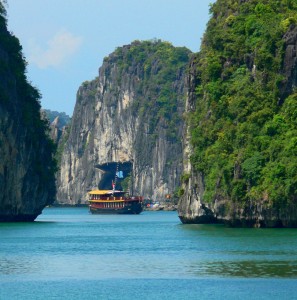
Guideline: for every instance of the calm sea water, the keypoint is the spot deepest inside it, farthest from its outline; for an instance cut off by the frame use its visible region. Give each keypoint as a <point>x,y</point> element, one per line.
<point>70,254</point>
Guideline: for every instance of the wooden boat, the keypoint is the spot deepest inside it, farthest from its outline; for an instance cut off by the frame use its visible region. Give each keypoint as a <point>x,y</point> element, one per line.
<point>114,202</point>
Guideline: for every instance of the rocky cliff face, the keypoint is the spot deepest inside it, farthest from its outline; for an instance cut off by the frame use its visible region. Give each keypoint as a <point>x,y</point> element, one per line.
<point>27,182</point>
<point>56,130</point>
<point>128,119</point>
<point>191,207</point>
<point>290,62</point>
<point>238,190</point>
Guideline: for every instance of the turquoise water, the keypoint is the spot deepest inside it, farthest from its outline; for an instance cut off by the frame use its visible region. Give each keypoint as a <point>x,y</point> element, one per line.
<point>70,254</point>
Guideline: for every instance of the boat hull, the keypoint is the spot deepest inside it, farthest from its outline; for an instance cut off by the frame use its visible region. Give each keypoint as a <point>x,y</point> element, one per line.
<point>134,209</point>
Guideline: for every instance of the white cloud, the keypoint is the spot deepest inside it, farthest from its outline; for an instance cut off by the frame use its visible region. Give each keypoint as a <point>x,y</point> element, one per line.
<point>58,49</point>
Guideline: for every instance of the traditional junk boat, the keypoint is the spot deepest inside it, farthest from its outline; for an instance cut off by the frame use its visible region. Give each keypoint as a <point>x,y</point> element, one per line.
<point>114,202</point>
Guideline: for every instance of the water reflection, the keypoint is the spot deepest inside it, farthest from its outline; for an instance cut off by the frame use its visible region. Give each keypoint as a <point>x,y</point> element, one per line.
<point>17,266</point>
<point>241,252</point>
<point>221,230</point>
<point>247,269</point>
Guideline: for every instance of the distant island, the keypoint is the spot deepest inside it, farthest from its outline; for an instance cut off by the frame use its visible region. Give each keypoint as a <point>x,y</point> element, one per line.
<point>64,119</point>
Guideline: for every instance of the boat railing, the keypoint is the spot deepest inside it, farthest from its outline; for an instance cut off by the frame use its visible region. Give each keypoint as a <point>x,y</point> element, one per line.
<point>110,198</point>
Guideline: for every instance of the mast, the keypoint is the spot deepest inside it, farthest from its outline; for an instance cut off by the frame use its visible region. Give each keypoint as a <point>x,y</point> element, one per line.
<point>132,177</point>
<point>115,178</point>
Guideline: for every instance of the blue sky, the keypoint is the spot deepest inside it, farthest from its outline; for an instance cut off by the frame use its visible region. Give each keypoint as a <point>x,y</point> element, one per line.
<point>65,41</point>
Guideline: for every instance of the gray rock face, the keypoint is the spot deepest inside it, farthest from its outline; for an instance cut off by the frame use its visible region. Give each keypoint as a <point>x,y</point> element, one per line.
<point>117,123</point>
<point>56,132</point>
<point>290,62</point>
<point>27,182</point>
<point>191,208</point>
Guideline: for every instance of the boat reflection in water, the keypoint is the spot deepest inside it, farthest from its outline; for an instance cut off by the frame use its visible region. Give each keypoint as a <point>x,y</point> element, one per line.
<point>114,202</point>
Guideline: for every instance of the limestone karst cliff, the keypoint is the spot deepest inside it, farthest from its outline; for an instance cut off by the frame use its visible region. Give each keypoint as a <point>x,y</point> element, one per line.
<point>27,181</point>
<point>129,117</point>
<point>239,147</point>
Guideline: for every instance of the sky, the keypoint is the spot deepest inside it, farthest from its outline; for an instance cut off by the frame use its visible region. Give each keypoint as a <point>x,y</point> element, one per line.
<point>65,41</point>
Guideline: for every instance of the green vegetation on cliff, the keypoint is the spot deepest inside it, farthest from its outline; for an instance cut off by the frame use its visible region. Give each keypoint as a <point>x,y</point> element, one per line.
<point>162,66</point>
<point>244,128</point>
